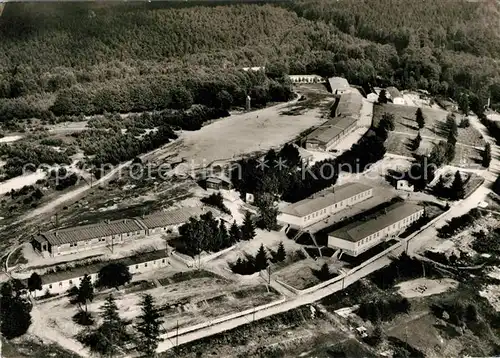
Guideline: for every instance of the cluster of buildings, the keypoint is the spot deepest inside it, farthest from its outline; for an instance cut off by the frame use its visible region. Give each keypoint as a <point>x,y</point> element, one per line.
<point>392,94</point>
<point>345,113</point>
<point>306,79</point>
<point>357,237</point>
<point>109,233</point>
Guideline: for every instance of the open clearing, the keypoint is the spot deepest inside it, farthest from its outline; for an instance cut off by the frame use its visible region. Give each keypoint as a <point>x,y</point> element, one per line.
<point>423,287</point>
<point>469,142</point>
<point>244,133</point>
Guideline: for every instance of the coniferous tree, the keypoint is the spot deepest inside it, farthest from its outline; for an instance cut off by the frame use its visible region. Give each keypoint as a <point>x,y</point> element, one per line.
<point>248,228</point>
<point>148,327</point>
<point>223,234</point>
<point>420,118</point>
<point>280,253</point>
<point>457,187</point>
<point>234,233</point>
<point>382,97</point>
<point>417,141</point>
<point>85,291</point>
<point>487,155</point>
<point>261,259</point>
<point>111,336</point>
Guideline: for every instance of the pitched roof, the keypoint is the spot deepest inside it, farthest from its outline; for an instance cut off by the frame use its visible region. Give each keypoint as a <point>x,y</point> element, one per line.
<point>349,104</point>
<point>95,267</point>
<point>338,83</point>
<point>175,217</point>
<point>325,199</point>
<point>394,92</point>
<point>330,129</point>
<point>357,231</point>
<point>91,231</point>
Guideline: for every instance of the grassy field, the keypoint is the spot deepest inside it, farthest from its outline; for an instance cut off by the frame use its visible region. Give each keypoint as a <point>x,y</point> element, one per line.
<point>469,141</point>
<point>299,275</point>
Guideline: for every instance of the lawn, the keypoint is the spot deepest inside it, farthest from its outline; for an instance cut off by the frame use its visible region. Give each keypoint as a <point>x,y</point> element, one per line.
<point>299,275</point>
<point>469,140</point>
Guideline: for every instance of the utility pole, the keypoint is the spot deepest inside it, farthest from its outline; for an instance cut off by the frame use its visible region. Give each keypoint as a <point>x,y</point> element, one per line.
<point>269,274</point>
<point>177,334</point>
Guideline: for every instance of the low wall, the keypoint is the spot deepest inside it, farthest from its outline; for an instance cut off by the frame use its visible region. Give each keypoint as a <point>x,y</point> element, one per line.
<point>195,327</point>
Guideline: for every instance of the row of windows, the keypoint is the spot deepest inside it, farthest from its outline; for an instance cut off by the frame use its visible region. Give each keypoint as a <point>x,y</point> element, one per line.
<point>323,211</point>
<point>407,220</point>
<point>81,278</point>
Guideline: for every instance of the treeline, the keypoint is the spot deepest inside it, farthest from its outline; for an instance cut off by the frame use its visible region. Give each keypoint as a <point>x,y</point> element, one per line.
<point>383,309</point>
<point>282,174</point>
<point>97,58</point>
<point>26,157</point>
<point>110,147</point>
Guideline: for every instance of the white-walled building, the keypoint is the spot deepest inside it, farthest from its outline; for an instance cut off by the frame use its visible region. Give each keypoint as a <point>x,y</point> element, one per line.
<point>361,236</point>
<point>170,221</point>
<point>395,96</point>
<point>306,79</point>
<point>338,85</point>
<point>312,210</point>
<point>62,281</point>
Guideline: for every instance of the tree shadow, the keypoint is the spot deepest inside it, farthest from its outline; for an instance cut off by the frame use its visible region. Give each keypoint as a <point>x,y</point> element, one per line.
<point>441,129</point>
<point>409,126</point>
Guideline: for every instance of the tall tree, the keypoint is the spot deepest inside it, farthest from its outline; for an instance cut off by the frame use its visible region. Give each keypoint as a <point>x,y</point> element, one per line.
<point>417,141</point>
<point>268,211</point>
<point>223,235</point>
<point>280,253</point>
<point>148,327</point>
<point>382,97</point>
<point>85,291</point>
<point>234,233</point>
<point>248,228</point>
<point>114,275</point>
<point>261,259</point>
<point>457,187</point>
<point>15,311</point>
<point>420,118</point>
<point>34,282</point>
<point>111,336</point>
<point>487,155</point>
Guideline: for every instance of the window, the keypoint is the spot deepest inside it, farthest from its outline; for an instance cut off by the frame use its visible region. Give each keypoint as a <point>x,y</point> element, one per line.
<point>50,286</point>
<point>60,284</point>
<point>162,261</point>
<point>136,266</point>
<point>146,264</point>
<point>70,282</point>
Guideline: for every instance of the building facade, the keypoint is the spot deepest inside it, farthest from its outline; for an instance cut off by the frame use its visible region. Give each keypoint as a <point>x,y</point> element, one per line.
<point>306,79</point>
<point>110,233</point>
<point>312,210</point>
<point>395,96</point>
<point>338,85</point>
<point>62,281</point>
<point>330,133</point>
<point>356,238</point>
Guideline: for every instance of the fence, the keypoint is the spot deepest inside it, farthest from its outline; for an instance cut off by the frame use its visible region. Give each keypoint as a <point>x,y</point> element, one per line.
<point>195,327</point>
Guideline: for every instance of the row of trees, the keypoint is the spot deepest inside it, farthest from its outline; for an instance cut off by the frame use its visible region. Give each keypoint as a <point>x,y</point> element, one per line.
<point>383,309</point>
<point>208,234</point>
<point>119,70</point>
<point>251,264</point>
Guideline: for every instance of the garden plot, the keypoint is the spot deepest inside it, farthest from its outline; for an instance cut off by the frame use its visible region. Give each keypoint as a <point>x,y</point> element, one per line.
<point>300,274</point>
<point>423,287</point>
<point>406,129</point>
<point>184,299</point>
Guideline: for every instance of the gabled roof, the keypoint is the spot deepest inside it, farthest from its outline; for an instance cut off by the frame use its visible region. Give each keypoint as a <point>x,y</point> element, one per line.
<point>393,92</point>
<point>330,129</point>
<point>349,104</point>
<point>175,217</point>
<point>359,230</point>
<point>325,199</point>
<point>95,267</point>
<point>338,83</point>
<point>91,231</point>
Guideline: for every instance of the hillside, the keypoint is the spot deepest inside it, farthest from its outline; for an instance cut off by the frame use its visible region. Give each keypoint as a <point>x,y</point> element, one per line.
<point>118,54</point>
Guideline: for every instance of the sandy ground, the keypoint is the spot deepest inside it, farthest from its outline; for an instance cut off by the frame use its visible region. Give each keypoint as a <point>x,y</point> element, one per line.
<point>423,287</point>
<point>231,137</point>
<point>10,139</point>
<point>19,182</point>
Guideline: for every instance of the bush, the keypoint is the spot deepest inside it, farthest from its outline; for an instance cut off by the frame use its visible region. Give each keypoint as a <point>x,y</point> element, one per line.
<point>83,318</point>
<point>217,201</point>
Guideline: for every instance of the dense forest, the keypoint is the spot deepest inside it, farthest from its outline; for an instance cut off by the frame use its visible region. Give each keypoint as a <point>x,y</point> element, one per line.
<point>86,58</point>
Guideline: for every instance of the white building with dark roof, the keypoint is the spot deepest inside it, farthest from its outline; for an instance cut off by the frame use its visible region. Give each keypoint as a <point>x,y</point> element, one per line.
<point>338,85</point>
<point>395,96</point>
<point>106,234</point>
<point>62,281</point>
<point>312,210</point>
<point>361,236</point>
<point>86,237</point>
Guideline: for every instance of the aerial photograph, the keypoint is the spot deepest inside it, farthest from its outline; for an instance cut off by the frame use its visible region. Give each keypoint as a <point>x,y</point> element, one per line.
<point>250,178</point>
